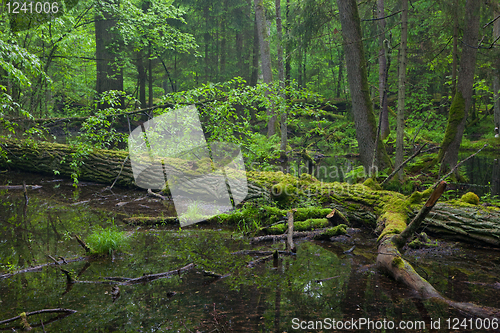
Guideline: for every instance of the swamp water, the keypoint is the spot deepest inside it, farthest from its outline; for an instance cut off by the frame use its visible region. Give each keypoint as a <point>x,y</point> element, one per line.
<point>260,299</point>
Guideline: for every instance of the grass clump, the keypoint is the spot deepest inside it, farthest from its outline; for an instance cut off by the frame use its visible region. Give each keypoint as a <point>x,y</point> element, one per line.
<point>107,240</point>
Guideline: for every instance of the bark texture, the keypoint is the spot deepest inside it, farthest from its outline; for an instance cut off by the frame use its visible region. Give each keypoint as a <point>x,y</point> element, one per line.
<point>109,72</point>
<point>462,101</point>
<point>362,107</point>
<point>402,88</point>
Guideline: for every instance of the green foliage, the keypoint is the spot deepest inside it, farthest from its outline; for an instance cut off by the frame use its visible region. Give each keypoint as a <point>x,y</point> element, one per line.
<point>107,240</point>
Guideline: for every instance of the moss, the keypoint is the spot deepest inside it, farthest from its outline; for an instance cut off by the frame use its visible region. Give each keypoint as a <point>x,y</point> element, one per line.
<point>371,183</point>
<point>457,113</point>
<point>341,229</point>
<point>306,225</point>
<point>303,214</point>
<point>283,192</point>
<point>415,198</point>
<point>470,198</point>
<point>398,262</point>
<point>395,214</point>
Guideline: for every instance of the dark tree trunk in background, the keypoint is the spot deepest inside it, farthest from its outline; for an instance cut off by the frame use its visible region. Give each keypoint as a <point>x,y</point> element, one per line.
<point>401,88</point>
<point>255,54</point>
<point>150,78</point>
<point>496,73</point>
<point>141,70</point>
<point>382,73</point>
<point>288,65</point>
<point>265,58</point>
<point>109,73</point>
<point>341,67</point>
<point>362,108</point>
<point>455,52</point>
<point>462,101</point>
<point>281,74</point>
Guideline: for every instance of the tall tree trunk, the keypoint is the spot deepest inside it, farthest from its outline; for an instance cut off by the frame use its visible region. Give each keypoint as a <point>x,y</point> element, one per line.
<point>362,108</point>
<point>109,73</point>
<point>288,65</point>
<point>402,88</point>
<point>281,75</point>
<point>206,38</point>
<point>455,52</point>
<point>382,73</point>
<point>341,67</point>
<point>462,101</point>
<point>150,78</point>
<point>255,54</point>
<point>496,74</point>
<point>142,78</point>
<point>265,57</point>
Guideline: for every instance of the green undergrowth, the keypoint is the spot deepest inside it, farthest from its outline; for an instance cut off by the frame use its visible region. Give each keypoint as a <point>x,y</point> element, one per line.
<point>107,240</point>
<point>307,225</point>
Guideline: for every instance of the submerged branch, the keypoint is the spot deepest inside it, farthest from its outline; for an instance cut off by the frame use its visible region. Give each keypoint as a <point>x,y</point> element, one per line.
<point>27,314</point>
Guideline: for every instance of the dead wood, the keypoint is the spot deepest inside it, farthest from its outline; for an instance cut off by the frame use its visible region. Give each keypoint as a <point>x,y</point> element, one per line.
<point>330,278</point>
<point>19,187</point>
<point>336,217</point>
<point>258,261</point>
<point>273,238</point>
<point>289,240</point>
<point>27,314</point>
<point>403,164</point>
<point>143,220</point>
<point>156,195</point>
<point>39,267</point>
<point>82,243</point>
<point>401,239</point>
<point>263,253</point>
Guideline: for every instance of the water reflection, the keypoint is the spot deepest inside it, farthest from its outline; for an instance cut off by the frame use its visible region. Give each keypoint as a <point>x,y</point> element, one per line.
<point>260,299</point>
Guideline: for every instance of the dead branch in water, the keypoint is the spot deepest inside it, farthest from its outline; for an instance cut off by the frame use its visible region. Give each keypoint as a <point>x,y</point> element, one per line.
<point>27,314</point>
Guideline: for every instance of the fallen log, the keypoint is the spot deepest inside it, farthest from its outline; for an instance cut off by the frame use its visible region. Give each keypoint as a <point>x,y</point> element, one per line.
<point>19,187</point>
<point>146,220</point>
<point>389,258</point>
<point>39,267</point>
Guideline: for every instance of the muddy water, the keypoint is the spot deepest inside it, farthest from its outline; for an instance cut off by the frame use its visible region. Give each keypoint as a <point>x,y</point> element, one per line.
<point>261,299</point>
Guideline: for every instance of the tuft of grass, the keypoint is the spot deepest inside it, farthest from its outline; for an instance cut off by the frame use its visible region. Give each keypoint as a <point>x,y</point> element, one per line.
<point>106,240</point>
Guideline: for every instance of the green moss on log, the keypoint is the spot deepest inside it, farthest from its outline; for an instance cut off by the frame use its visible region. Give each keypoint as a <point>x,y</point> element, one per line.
<point>341,229</point>
<point>470,198</point>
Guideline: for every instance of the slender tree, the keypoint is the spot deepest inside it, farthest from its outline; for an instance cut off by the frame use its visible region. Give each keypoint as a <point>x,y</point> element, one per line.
<point>265,58</point>
<point>109,72</point>
<point>462,101</point>
<point>382,72</point>
<point>496,74</point>
<point>402,87</point>
<point>362,107</point>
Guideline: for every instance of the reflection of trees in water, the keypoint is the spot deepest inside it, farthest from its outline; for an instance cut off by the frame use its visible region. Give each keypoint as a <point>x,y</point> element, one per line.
<point>495,178</point>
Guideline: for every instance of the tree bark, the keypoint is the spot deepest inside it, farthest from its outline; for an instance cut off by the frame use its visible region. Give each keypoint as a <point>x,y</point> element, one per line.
<point>382,73</point>
<point>496,74</point>
<point>281,75</point>
<point>462,101</point>
<point>265,58</point>
<point>362,107</point>
<point>402,88</point>
<point>109,73</point>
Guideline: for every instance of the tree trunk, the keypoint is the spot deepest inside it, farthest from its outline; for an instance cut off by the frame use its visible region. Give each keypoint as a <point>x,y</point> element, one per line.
<point>142,78</point>
<point>382,73</point>
<point>402,88</point>
<point>150,78</point>
<point>109,73</point>
<point>362,108</point>
<point>265,57</point>
<point>462,101</point>
<point>496,73</point>
<point>281,76</point>
<point>255,54</point>
<point>455,51</point>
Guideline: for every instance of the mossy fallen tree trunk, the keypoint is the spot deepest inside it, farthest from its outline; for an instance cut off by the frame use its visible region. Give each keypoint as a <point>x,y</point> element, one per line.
<point>384,211</point>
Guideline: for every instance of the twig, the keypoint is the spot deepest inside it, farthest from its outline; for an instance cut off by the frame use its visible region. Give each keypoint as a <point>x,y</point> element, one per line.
<point>403,164</point>
<point>456,166</point>
<point>418,131</point>
<point>156,195</point>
